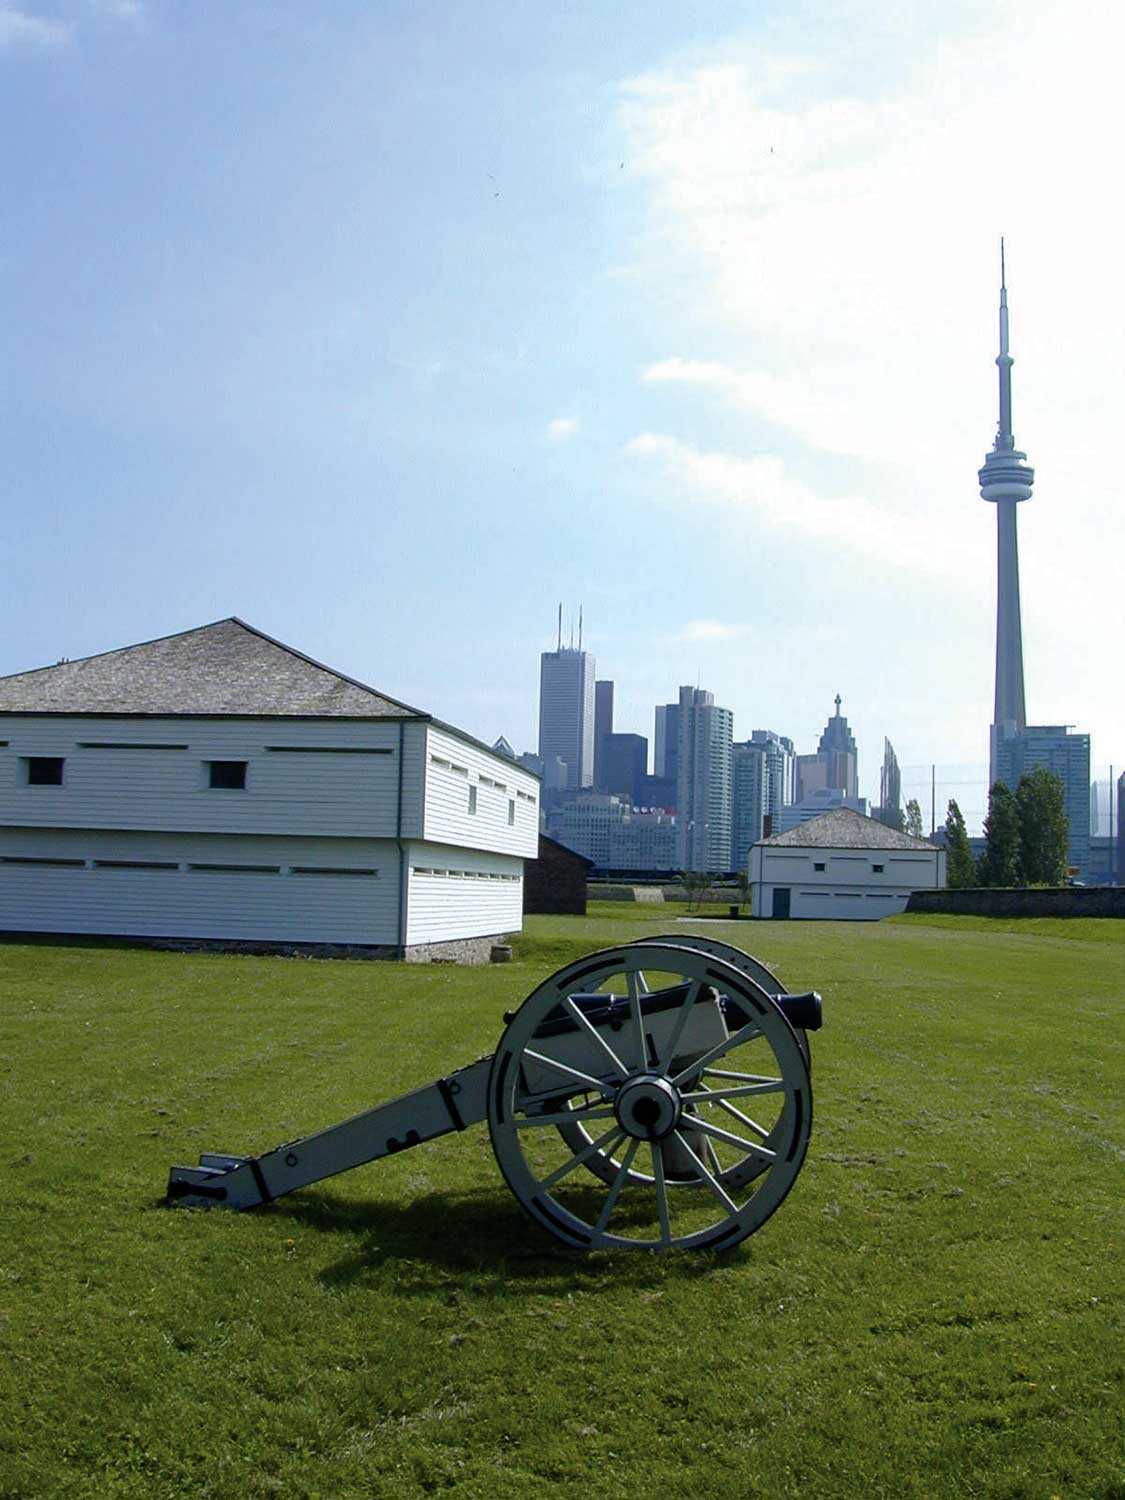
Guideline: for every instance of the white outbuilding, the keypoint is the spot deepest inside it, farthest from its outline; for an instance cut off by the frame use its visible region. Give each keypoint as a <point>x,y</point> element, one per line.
<point>219,785</point>
<point>841,866</point>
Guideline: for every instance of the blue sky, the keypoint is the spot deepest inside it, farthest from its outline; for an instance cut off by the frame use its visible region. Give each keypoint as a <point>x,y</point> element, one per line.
<point>387,327</point>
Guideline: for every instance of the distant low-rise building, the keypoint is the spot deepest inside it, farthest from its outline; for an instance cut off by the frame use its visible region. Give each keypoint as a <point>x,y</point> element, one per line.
<point>841,866</point>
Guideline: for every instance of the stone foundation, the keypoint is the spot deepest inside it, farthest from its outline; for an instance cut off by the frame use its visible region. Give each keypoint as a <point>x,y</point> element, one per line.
<point>475,950</point>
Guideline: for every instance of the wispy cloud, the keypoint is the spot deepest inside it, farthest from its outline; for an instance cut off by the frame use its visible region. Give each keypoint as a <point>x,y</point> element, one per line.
<point>21,28</point>
<point>711,630</point>
<point>762,490</point>
<point>844,227</point>
<point>562,429</point>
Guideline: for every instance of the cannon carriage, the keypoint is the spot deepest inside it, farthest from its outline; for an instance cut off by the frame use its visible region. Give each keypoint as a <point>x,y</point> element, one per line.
<point>654,1095</point>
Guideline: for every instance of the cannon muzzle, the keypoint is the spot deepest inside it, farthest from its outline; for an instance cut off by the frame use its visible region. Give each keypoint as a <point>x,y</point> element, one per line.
<point>802,1011</point>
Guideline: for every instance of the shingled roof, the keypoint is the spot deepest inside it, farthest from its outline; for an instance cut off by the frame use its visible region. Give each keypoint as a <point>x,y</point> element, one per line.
<point>844,828</point>
<point>224,668</point>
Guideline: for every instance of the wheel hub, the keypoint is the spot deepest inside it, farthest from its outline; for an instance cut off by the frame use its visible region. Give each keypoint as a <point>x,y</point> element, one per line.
<point>647,1107</point>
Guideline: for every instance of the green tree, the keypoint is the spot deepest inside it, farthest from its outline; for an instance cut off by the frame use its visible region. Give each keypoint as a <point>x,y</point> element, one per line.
<point>1044,829</point>
<point>696,884</point>
<point>743,889</point>
<point>1000,864</point>
<point>960,866</point>
<point>914,818</point>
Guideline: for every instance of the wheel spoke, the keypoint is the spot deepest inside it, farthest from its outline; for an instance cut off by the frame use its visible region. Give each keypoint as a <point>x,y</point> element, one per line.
<point>661,1194</point>
<point>566,1117</point>
<point>585,1023</point>
<point>734,1140</point>
<point>699,1064</point>
<point>635,979</point>
<point>561,1067</point>
<point>694,990</point>
<point>728,1203</point>
<point>773,1086</point>
<point>614,1132</point>
<point>615,1189</point>
<point>745,1119</point>
<point>741,1077</point>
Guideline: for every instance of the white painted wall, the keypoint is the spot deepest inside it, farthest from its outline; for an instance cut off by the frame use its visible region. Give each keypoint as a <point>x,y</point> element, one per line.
<point>453,767</point>
<point>454,892</point>
<point>287,906</point>
<point>309,801</point>
<point>309,791</point>
<point>849,888</point>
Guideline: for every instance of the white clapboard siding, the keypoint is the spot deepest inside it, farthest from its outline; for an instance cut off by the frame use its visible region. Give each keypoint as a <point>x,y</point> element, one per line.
<point>324,907</point>
<point>453,767</point>
<point>461,893</point>
<point>854,884</point>
<point>304,790</point>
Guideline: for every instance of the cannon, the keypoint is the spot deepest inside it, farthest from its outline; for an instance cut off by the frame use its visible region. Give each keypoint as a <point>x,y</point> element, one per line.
<point>651,1096</point>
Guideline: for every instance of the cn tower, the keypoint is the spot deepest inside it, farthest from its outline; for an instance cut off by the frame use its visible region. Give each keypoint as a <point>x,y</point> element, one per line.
<point>1005,480</point>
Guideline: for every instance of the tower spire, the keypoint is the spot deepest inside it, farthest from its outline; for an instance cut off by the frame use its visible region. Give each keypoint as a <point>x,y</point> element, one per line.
<point>1006,479</point>
<point>1004,439</point>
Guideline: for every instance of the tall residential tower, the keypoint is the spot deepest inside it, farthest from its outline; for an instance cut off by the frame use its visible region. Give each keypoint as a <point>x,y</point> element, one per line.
<point>1005,480</point>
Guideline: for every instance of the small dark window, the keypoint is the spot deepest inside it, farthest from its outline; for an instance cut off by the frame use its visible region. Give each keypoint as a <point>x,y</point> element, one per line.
<point>44,770</point>
<point>511,810</point>
<point>228,774</point>
<point>472,799</point>
<point>819,866</point>
<point>878,869</point>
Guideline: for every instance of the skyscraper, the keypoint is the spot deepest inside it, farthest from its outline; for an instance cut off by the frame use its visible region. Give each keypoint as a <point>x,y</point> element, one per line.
<point>703,807</point>
<point>835,764</point>
<point>1005,480</point>
<point>750,796</point>
<point>666,742</point>
<point>837,748</point>
<point>781,762</point>
<point>566,712</point>
<point>889,810</point>
<point>623,765</point>
<point>603,725</point>
<point>1068,756</point>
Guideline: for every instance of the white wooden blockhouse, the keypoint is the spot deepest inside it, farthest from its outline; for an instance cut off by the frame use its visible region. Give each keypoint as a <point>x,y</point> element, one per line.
<point>843,866</point>
<point>218,784</point>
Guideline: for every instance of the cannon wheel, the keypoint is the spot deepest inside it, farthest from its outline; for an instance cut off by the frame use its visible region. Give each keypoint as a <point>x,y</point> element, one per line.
<point>606,1096</point>
<point>576,1135</point>
<point>752,967</point>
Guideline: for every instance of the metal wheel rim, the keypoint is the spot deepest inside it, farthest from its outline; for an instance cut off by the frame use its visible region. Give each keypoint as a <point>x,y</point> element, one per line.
<point>576,1136</point>
<point>741,1213</point>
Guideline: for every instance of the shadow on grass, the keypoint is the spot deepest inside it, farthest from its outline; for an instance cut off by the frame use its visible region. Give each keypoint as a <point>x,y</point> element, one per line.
<point>482,1232</point>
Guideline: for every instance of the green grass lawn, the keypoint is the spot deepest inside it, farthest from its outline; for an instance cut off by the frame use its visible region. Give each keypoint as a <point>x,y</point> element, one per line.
<point>932,1312</point>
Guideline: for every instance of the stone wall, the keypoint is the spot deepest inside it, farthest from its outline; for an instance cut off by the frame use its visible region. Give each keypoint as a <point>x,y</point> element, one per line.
<point>1023,901</point>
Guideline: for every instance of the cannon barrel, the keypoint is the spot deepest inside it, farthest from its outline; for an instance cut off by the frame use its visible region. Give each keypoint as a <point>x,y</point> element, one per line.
<point>802,1011</point>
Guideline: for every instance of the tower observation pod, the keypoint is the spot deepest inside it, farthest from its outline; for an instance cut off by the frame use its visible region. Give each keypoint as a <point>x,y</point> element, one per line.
<point>1005,480</point>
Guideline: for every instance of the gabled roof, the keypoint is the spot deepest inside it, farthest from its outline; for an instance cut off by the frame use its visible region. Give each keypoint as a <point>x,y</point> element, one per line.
<point>844,828</point>
<point>224,668</point>
<point>566,849</point>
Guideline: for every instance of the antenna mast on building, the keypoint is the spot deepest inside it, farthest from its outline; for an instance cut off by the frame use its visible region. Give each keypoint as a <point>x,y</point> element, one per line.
<point>580,627</point>
<point>560,626</point>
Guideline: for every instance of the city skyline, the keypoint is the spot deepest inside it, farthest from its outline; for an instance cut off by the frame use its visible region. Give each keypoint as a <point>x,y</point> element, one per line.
<point>363,366</point>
